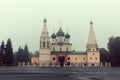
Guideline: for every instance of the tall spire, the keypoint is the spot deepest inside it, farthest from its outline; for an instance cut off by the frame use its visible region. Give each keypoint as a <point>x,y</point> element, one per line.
<point>45,25</point>
<point>91,38</point>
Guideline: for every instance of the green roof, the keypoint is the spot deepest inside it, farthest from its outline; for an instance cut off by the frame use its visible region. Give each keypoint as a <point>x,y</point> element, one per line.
<point>60,32</point>
<point>69,52</point>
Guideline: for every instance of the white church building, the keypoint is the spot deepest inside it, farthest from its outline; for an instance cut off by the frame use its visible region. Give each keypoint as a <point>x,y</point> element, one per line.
<point>57,49</point>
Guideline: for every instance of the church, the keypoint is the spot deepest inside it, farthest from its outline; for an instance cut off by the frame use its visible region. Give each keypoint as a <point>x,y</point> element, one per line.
<point>57,49</point>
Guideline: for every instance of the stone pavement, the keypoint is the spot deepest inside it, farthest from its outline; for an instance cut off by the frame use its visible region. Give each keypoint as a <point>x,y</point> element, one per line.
<point>59,73</point>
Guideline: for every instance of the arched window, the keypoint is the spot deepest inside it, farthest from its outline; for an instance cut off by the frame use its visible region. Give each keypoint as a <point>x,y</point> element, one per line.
<point>68,58</point>
<point>96,58</point>
<point>47,44</point>
<point>43,44</point>
<point>53,58</point>
<point>60,49</point>
<point>91,58</point>
<point>76,58</point>
<point>67,49</point>
<point>53,48</point>
<point>83,58</point>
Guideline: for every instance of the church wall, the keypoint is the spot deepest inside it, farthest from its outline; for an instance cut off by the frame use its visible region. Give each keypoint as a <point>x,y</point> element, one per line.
<point>93,57</point>
<point>44,55</point>
<point>34,60</point>
<point>77,58</point>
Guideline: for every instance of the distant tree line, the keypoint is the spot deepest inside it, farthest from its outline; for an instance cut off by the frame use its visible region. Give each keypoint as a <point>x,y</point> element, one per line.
<point>6,53</point>
<point>114,50</point>
<point>113,53</point>
<point>104,56</point>
<point>22,55</point>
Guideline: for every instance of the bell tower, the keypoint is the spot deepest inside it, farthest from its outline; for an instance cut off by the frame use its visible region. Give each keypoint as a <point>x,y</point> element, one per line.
<point>44,51</point>
<point>93,54</point>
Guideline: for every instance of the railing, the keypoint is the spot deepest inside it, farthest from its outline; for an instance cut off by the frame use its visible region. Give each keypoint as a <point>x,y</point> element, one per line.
<point>106,64</point>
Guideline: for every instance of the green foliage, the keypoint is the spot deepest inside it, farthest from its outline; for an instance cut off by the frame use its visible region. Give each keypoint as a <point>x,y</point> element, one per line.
<point>9,52</point>
<point>104,55</point>
<point>114,49</point>
<point>6,53</point>
<point>23,55</point>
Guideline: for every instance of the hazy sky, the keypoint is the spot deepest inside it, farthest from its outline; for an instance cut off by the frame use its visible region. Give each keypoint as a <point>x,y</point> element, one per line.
<point>22,20</point>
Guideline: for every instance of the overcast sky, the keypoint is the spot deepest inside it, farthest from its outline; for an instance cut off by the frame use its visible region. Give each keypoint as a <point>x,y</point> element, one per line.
<point>22,20</point>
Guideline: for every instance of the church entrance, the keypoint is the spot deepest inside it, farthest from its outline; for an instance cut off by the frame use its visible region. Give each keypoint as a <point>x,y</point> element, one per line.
<point>61,60</point>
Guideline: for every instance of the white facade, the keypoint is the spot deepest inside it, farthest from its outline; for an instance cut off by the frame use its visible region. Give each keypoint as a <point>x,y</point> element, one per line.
<point>44,52</point>
<point>59,50</point>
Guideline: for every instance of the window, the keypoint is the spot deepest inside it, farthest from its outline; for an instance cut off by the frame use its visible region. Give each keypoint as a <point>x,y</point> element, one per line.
<point>43,44</point>
<point>68,58</point>
<point>91,58</point>
<point>60,49</point>
<point>67,49</point>
<point>96,58</point>
<point>47,44</point>
<point>53,48</point>
<point>76,58</point>
<point>83,58</point>
<point>53,58</point>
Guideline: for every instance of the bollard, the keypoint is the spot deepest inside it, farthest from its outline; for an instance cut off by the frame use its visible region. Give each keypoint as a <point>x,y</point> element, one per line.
<point>89,65</point>
<point>34,64</point>
<point>83,65</point>
<point>23,64</point>
<point>46,64</point>
<point>64,64</point>
<point>101,64</point>
<point>109,64</point>
<point>28,64</point>
<point>20,64</point>
<point>106,64</point>
<point>76,64</point>
<point>70,64</point>
<point>39,64</point>
<point>52,64</point>
<point>58,64</point>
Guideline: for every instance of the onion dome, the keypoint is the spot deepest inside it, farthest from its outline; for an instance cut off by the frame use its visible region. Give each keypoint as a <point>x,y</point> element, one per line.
<point>91,22</point>
<point>60,32</point>
<point>67,35</point>
<point>53,35</point>
<point>45,20</point>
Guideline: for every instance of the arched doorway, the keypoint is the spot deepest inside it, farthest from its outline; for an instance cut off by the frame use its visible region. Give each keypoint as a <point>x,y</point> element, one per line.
<point>61,60</point>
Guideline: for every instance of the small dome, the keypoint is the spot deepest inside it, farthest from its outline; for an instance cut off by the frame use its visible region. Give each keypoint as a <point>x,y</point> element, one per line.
<point>67,35</point>
<point>60,32</point>
<point>91,22</point>
<point>53,35</point>
<point>45,20</point>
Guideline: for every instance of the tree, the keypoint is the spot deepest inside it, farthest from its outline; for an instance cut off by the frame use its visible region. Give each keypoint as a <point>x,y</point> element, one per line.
<point>104,55</point>
<point>9,53</point>
<point>2,53</point>
<point>19,55</point>
<point>26,54</point>
<point>22,55</point>
<point>114,49</point>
